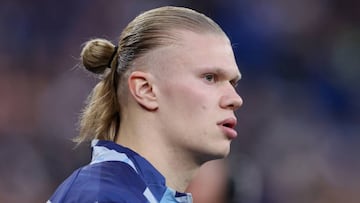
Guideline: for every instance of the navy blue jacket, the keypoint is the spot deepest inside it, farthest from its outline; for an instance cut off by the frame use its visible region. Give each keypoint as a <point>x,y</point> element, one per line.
<point>116,174</point>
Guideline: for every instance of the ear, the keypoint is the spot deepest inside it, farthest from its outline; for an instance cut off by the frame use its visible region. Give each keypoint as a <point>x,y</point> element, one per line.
<point>141,88</point>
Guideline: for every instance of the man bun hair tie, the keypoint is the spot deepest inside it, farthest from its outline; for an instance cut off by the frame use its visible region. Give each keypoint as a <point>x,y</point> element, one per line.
<point>112,56</point>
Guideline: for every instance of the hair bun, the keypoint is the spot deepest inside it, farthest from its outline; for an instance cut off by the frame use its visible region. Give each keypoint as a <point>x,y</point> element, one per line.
<point>96,55</point>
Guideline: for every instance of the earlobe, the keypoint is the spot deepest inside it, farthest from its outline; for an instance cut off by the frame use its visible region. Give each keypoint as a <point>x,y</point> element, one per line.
<point>141,88</point>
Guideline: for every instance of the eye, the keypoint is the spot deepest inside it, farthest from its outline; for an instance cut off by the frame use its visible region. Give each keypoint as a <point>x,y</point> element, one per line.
<point>234,83</point>
<point>210,77</point>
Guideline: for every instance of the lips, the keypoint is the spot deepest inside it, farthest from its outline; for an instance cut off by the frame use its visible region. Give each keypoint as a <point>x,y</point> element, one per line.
<point>227,126</point>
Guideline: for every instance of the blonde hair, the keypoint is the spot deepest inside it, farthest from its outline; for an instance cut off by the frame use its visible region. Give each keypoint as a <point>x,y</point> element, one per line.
<point>101,116</point>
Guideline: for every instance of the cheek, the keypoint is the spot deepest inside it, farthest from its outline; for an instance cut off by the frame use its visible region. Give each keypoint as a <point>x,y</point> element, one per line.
<point>190,98</point>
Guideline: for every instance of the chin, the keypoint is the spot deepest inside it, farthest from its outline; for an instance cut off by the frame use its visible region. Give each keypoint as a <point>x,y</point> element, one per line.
<point>205,153</point>
<point>213,155</point>
<point>222,155</point>
<point>222,151</point>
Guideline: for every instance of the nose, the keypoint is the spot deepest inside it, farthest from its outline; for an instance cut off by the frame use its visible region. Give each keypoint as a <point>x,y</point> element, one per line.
<point>231,99</point>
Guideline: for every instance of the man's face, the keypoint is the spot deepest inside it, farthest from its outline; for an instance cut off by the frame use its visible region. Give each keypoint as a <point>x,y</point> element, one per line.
<point>196,95</point>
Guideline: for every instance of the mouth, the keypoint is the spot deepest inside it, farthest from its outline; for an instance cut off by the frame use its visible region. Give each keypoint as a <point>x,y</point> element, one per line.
<point>228,127</point>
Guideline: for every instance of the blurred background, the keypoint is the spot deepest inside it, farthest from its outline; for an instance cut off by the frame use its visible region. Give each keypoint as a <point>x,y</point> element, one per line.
<point>298,128</point>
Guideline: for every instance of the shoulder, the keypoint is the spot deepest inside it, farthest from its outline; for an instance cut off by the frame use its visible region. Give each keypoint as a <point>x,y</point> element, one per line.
<point>111,181</point>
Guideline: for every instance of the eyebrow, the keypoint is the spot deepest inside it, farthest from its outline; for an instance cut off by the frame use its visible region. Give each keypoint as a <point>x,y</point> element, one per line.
<point>220,71</point>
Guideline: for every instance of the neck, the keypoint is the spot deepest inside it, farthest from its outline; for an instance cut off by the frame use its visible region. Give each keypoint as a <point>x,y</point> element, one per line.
<point>176,168</point>
<point>176,165</point>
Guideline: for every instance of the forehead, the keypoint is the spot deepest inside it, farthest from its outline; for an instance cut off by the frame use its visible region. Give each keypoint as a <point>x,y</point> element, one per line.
<point>197,51</point>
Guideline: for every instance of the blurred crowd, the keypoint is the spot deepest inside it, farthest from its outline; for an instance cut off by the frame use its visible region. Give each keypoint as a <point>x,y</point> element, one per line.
<point>298,128</point>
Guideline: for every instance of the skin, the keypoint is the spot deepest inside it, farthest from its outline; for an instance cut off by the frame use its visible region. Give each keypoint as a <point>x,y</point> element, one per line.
<point>179,94</point>
<point>210,183</point>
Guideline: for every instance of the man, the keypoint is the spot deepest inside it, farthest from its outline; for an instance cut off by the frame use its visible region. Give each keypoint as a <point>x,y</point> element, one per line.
<point>163,107</point>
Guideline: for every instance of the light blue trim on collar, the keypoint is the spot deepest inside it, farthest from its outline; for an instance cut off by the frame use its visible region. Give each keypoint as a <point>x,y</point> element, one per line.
<point>149,196</point>
<point>170,197</point>
<point>102,154</point>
